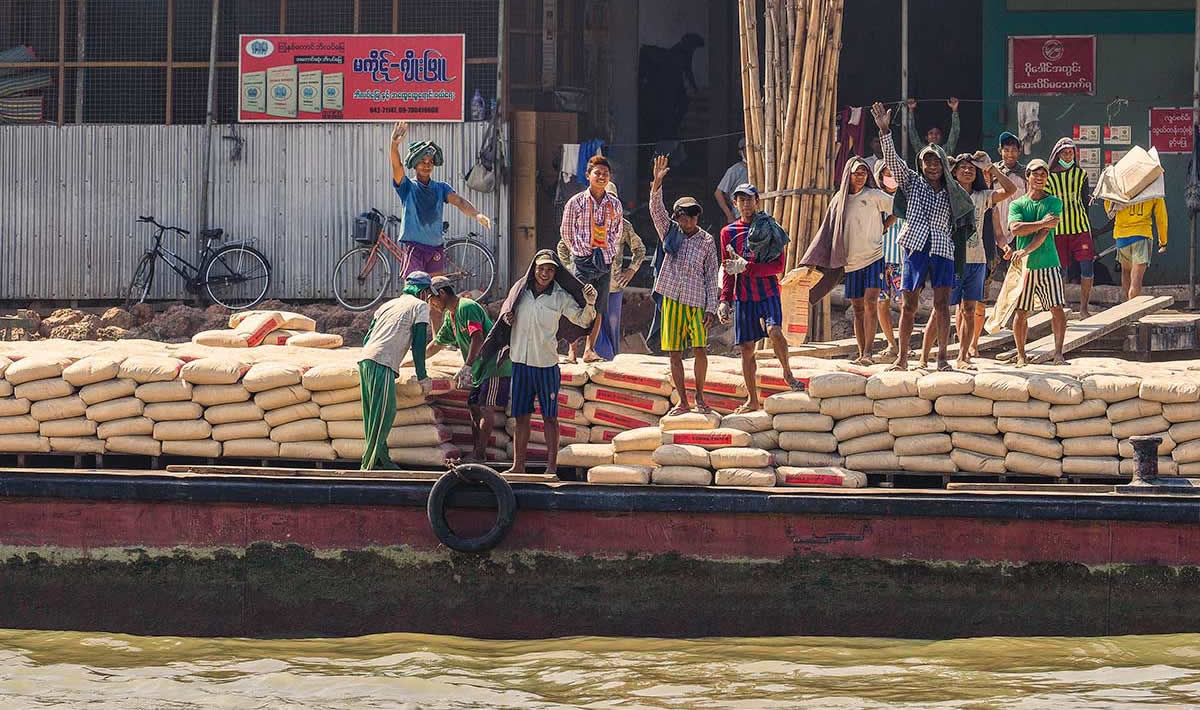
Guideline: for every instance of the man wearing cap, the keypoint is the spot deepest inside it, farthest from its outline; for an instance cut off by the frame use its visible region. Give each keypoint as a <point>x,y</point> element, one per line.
<point>399,325</point>
<point>735,175</point>
<point>421,239</point>
<point>1033,219</point>
<point>465,324</point>
<point>591,227</point>
<point>687,282</point>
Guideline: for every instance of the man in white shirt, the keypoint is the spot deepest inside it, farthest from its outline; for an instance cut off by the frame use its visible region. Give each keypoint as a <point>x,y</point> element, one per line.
<point>734,176</point>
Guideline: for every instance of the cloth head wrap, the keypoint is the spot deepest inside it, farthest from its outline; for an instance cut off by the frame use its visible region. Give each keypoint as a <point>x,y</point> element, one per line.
<point>419,149</point>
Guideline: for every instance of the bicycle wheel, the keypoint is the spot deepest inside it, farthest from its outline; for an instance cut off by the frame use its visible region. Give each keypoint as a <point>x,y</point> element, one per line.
<point>360,280</point>
<point>237,277</point>
<point>471,267</point>
<point>139,286</point>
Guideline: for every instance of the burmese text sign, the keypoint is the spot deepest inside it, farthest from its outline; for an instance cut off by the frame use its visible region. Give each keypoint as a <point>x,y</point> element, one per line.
<point>1052,65</point>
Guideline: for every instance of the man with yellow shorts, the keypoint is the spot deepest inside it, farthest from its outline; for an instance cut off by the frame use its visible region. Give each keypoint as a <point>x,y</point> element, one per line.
<point>687,281</point>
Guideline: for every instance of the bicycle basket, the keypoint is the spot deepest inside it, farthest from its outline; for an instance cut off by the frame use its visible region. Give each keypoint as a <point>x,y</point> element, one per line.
<point>366,228</point>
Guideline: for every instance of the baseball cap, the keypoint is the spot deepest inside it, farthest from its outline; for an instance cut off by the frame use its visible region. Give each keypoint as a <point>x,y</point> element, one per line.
<point>745,189</point>
<point>544,256</point>
<point>1008,137</point>
<point>419,279</point>
<point>1036,164</point>
<point>684,203</point>
<point>440,282</point>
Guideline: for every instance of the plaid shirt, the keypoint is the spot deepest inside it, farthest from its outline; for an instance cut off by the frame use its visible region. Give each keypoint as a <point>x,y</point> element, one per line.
<point>579,214</point>
<point>928,212</point>
<point>689,276</point>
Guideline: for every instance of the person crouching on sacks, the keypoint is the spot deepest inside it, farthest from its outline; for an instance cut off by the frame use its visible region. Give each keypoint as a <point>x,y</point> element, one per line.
<point>687,282</point>
<point>756,246</point>
<point>399,325</point>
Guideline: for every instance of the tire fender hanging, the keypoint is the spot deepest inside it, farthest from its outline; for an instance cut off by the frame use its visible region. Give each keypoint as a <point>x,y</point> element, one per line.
<point>467,474</point>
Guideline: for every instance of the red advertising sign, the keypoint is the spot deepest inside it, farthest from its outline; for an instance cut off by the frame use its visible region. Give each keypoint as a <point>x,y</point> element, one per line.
<point>297,78</point>
<point>1171,129</point>
<point>1052,65</point>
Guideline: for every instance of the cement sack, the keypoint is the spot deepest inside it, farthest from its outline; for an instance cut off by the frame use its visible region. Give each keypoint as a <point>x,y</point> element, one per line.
<point>182,431</point>
<point>1096,426</point>
<point>14,407</point>
<point>619,474</point>
<point>617,417</point>
<point>75,427</point>
<point>922,445</point>
<point>20,424</point>
<point>791,403</point>
<point>901,407</point>
<point>739,457</point>
<point>1020,462</point>
<point>809,458</point>
<point>586,455</point>
<point>201,449</point>
<point>1055,389</point>
<point>1092,465</point>
<point>1001,387</point>
<point>281,397</point>
<point>172,391</point>
<point>681,476</point>
<point>294,413</point>
<point>328,341</point>
<point>4,364</point>
<point>725,384</point>
<point>213,395</point>
<point>150,368</point>
<point>837,384</point>
<point>1136,171</point>
<point>291,321</point>
<point>347,411</point>
<point>139,445</point>
<point>92,369</point>
<point>421,435</point>
<point>1042,428</point>
<point>447,415</point>
<point>834,477</point>
<point>681,455</point>
<point>707,438</point>
<point>1032,409</point>
<point>330,376</point>
<point>992,446</point>
<point>107,390</point>
<point>573,375</point>
<point>328,397</point>
<point>635,458</point>
<point>770,379</point>
<point>802,422</point>
<point>265,376</point>
<point>570,398</point>
<point>256,325</point>
<point>133,426</point>
<point>115,409</point>
<point>765,440</point>
<point>1110,388</point>
<point>303,430</point>
<point>814,442</point>
<point>848,406</point>
<point>567,433</point>
<point>1190,470</point>
<point>963,405</point>
<point>241,430</point>
<point>751,422</point>
<point>311,451</point>
<point>534,452</point>
<point>936,385</point>
<point>649,379</point>
<point>1139,427</point>
<point>889,385</point>
<point>934,463</point>
<point>1184,431</point>
<point>30,369</point>
<point>971,425</point>
<point>1131,409</point>
<point>1165,448</point>
<point>24,444</point>
<point>38,390</point>
<point>236,412</point>
<point>6,389</point>
<point>1045,448</point>
<point>220,339</point>
<point>77,445</point>
<point>1166,467</point>
<point>640,401</point>
<point>749,477</point>
<point>913,426</point>
<point>861,425</point>
<point>250,448</point>
<point>1090,446</point>
<point>60,408</point>
<point>640,439</point>
<point>691,421</point>
<point>278,337</point>
<point>213,371</point>
<point>565,414</point>
<point>882,441</point>
<point>971,462</point>
<point>1179,413</point>
<point>1170,390</point>
<point>1088,409</point>
<point>173,411</point>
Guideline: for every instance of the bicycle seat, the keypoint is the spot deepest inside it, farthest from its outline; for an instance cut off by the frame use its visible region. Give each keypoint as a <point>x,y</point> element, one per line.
<point>211,233</point>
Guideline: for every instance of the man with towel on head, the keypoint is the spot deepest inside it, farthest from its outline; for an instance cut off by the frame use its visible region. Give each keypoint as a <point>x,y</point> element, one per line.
<point>421,238</point>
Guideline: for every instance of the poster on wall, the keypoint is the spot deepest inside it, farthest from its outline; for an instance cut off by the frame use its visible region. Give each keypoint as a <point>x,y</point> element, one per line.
<point>1171,129</point>
<point>1052,65</point>
<point>305,78</point>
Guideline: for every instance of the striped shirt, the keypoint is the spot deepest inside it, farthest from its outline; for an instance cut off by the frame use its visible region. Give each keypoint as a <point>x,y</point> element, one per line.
<point>1071,186</point>
<point>689,276</point>
<point>758,282</point>
<point>585,221</point>
<point>927,218</point>
<point>891,243</point>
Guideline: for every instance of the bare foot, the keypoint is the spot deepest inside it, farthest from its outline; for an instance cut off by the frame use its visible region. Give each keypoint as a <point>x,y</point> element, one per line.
<point>1021,362</point>
<point>974,352</point>
<point>1084,314</point>
<point>551,471</point>
<point>572,359</point>
<point>511,469</point>
<point>923,363</point>
<point>591,356</point>
<point>1058,359</point>
<point>962,364</point>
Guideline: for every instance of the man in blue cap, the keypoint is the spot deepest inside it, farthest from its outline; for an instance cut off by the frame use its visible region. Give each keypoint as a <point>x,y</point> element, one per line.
<point>1010,167</point>
<point>400,325</point>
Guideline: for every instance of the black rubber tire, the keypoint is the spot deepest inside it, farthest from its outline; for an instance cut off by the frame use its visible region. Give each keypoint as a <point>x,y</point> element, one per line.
<point>506,508</point>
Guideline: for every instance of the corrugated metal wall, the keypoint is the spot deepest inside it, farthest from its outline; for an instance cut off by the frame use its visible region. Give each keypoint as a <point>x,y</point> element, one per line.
<point>70,197</point>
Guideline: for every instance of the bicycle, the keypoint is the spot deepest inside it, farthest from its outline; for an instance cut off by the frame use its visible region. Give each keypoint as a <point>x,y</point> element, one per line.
<point>363,275</point>
<point>235,275</point>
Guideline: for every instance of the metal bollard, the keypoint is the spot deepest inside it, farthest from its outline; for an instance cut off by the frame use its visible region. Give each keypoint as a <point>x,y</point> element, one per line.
<point>1145,459</point>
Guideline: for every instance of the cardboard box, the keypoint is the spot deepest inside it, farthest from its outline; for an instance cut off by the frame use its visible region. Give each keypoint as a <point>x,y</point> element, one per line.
<point>794,288</point>
<point>1136,171</point>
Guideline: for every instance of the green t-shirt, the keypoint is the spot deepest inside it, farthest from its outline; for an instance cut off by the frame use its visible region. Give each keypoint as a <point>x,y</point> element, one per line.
<point>1027,209</point>
<point>458,327</point>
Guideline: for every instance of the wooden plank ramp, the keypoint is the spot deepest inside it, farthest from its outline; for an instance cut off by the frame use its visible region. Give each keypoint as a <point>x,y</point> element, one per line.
<point>341,473</point>
<point>1082,332</point>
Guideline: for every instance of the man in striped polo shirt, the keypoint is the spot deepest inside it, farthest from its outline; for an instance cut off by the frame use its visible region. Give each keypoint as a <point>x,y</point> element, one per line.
<point>1073,239</point>
<point>1032,220</point>
<point>750,295</point>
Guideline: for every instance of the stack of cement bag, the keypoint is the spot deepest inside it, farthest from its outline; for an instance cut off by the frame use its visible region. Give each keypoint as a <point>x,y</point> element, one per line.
<point>250,329</point>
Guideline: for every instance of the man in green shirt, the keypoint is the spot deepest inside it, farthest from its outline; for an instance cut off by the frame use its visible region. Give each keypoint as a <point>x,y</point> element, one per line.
<point>1031,220</point>
<point>464,325</point>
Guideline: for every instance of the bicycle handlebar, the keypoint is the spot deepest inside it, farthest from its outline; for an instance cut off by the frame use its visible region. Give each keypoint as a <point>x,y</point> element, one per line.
<point>151,220</point>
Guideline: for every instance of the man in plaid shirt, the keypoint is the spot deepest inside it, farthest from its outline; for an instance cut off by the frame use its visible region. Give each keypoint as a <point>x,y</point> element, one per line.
<point>687,282</point>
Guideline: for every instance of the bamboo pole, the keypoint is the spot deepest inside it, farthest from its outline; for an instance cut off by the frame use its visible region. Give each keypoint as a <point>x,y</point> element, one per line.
<point>747,108</point>
<point>754,149</point>
<point>769,111</point>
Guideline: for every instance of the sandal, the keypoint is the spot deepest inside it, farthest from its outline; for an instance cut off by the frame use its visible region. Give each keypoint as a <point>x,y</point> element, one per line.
<point>745,409</point>
<point>945,367</point>
<point>797,386</point>
<point>702,408</point>
<point>679,409</point>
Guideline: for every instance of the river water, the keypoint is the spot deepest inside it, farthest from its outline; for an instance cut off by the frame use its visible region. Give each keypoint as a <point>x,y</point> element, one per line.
<point>98,671</point>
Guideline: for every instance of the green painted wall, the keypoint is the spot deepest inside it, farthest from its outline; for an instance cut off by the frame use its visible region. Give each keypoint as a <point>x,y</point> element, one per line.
<point>1143,56</point>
